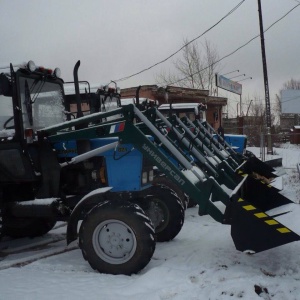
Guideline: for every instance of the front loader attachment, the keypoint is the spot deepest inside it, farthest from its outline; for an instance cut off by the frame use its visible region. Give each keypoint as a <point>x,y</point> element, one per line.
<point>252,166</point>
<point>252,228</point>
<point>203,138</point>
<point>262,195</point>
<point>247,200</point>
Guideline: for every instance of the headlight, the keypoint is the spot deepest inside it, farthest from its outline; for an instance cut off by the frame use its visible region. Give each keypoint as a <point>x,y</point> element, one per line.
<point>144,177</point>
<point>151,175</point>
<point>31,66</point>
<point>57,72</point>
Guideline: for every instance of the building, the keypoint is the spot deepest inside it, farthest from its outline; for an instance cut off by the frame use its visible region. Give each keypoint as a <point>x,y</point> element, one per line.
<point>290,109</point>
<point>289,120</point>
<point>295,135</point>
<point>174,94</point>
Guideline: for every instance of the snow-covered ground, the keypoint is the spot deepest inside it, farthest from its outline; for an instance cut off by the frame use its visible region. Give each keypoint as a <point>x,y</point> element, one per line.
<point>200,263</point>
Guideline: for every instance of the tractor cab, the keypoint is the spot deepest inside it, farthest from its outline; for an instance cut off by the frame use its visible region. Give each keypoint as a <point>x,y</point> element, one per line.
<point>123,168</point>
<point>33,99</point>
<point>91,99</point>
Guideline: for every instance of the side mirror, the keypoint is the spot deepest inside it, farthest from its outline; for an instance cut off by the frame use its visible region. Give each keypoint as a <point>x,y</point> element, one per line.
<point>5,86</point>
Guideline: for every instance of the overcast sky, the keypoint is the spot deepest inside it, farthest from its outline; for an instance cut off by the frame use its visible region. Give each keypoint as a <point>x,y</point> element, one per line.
<point>117,38</point>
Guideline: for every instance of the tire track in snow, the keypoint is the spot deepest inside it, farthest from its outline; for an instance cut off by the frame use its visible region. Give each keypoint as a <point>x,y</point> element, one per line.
<point>16,253</point>
<point>34,258</point>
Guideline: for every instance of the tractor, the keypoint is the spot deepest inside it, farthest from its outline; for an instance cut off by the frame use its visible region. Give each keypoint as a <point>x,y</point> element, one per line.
<point>42,183</point>
<point>93,168</point>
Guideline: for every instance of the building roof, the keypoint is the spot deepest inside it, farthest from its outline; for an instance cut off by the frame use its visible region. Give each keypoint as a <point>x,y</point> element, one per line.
<point>176,94</point>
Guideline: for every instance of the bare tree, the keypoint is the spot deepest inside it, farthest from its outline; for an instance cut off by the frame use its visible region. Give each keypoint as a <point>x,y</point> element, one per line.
<point>254,121</point>
<point>195,69</point>
<point>277,105</point>
<point>291,84</point>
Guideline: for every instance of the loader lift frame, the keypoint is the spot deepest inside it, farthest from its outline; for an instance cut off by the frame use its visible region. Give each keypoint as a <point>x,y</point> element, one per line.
<point>203,189</point>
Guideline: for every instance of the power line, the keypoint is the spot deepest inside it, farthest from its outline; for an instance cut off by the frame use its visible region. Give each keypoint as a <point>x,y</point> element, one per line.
<point>282,17</point>
<point>170,56</point>
<point>233,52</point>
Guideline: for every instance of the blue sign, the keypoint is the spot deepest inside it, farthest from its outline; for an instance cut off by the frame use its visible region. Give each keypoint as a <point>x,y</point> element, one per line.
<point>229,85</point>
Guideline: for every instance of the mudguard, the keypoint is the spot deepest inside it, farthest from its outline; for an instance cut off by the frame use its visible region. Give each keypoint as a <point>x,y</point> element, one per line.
<point>82,207</point>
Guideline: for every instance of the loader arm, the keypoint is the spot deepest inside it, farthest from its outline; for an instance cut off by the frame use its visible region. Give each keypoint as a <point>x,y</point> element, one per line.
<point>252,229</point>
<point>191,180</point>
<point>252,163</point>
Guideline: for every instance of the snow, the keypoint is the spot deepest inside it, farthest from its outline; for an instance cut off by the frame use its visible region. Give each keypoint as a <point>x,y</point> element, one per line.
<point>290,154</point>
<point>44,201</point>
<point>200,263</point>
<point>277,182</point>
<point>194,175</point>
<point>7,133</point>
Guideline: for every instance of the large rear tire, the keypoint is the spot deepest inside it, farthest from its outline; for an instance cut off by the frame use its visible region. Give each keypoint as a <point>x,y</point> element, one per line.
<point>166,212</point>
<point>117,238</point>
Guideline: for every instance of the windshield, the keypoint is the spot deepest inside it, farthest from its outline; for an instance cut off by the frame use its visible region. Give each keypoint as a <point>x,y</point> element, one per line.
<point>42,103</point>
<point>6,112</point>
<point>6,108</point>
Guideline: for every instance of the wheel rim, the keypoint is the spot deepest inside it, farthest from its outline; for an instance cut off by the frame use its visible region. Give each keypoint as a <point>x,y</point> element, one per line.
<point>114,241</point>
<point>158,214</point>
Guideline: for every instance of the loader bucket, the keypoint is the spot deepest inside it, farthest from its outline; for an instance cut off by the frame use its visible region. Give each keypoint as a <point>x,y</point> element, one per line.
<point>252,229</point>
<point>262,195</point>
<point>255,165</point>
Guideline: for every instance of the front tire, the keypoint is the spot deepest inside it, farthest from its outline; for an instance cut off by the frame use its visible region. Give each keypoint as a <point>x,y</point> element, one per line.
<point>117,238</point>
<point>165,181</point>
<point>166,212</point>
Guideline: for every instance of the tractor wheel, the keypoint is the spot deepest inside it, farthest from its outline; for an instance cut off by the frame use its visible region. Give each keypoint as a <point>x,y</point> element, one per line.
<point>117,238</point>
<point>191,203</point>
<point>165,181</point>
<point>166,212</point>
<point>25,227</point>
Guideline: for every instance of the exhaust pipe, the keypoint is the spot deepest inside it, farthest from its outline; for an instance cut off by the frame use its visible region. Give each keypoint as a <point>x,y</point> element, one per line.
<point>137,96</point>
<point>77,93</point>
